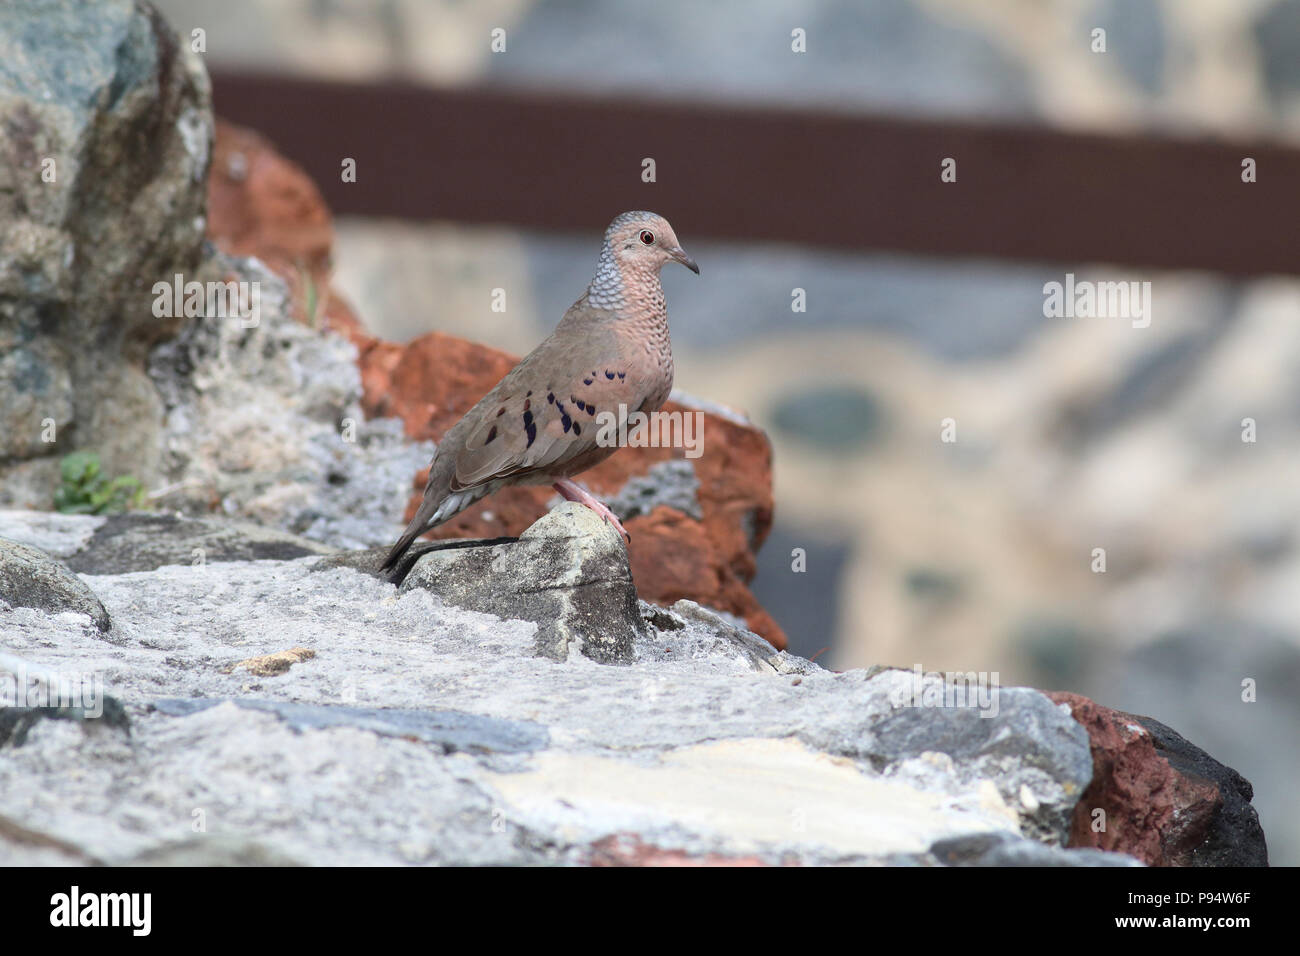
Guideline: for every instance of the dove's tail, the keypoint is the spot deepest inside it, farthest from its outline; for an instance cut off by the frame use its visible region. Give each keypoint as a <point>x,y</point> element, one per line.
<point>432,513</point>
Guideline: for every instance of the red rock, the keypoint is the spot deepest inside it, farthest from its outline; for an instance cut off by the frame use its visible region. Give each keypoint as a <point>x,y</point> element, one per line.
<point>1153,811</point>
<point>261,204</point>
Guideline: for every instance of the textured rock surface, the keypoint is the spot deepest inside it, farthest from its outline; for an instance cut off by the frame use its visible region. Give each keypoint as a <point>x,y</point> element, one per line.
<point>568,574</point>
<point>123,127</point>
<point>252,418</point>
<point>420,732</point>
<point>31,578</point>
<point>1164,800</point>
<point>142,541</point>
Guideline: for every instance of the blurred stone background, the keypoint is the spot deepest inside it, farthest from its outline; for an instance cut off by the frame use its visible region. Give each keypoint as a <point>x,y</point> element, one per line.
<point>1073,434</point>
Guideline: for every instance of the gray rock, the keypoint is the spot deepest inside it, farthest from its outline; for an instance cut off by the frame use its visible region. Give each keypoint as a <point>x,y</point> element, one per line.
<point>58,535</point>
<point>568,573</point>
<point>672,483</point>
<point>265,421</point>
<point>449,729</point>
<point>1030,743</point>
<point>1002,849</point>
<point>140,541</point>
<point>421,732</point>
<point>126,122</point>
<point>31,578</point>
<point>701,632</point>
<point>370,560</point>
<point>16,722</point>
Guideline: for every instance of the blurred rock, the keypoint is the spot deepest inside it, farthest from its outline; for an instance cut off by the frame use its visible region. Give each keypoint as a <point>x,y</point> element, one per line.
<point>260,204</point>
<point>1195,678</point>
<point>892,53</point>
<point>839,419</point>
<point>16,723</point>
<point>1135,37</point>
<point>142,542</point>
<point>103,159</point>
<point>1275,31</point>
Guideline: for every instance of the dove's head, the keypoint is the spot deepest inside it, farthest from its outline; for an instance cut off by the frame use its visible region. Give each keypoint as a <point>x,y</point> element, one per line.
<point>644,242</point>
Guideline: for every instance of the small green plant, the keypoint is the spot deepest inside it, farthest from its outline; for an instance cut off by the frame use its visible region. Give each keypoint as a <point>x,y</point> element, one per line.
<point>87,491</point>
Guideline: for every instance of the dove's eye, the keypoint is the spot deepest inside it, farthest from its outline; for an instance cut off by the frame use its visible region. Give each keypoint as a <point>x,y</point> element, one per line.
<point>647,236</point>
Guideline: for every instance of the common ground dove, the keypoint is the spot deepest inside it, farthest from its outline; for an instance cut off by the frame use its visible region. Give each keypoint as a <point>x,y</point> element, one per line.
<point>539,425</point>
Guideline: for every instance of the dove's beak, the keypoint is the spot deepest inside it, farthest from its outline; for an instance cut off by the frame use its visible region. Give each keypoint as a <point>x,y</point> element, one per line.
<point>679,255</point>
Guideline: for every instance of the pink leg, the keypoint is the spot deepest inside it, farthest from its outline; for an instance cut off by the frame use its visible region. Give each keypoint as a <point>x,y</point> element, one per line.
<point>572,491</point>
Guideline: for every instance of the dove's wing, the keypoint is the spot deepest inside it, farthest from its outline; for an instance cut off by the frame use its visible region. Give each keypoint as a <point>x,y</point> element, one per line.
<point>543,414</point>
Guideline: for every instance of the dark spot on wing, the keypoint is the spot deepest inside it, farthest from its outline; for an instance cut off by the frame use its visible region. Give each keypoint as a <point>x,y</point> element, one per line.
<point>577,429</point>
<point>528,403</point>
<point>532,434</point>
<point>622,375</point>
<point>586,381</point>
<point>491,435</point>
<point>500,412</point>
<point>550,397</point>
<point>609,375</point>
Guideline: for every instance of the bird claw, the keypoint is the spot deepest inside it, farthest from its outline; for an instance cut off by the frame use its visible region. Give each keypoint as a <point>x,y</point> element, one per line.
<point>609,517</point>
<point>618,526</point>
<point>575,492</point>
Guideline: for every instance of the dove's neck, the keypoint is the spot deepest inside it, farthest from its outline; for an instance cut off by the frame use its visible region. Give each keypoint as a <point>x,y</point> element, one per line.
<point>626,289</point>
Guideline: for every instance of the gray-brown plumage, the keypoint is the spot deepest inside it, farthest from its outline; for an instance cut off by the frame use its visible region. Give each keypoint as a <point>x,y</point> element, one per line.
<point>539,425</point>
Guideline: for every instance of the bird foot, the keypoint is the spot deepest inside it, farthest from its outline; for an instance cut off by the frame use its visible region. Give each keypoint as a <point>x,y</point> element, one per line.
<point>572,491</point>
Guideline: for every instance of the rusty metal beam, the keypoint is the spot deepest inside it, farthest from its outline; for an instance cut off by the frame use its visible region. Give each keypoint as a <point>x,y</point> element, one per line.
<point>825,179</point>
